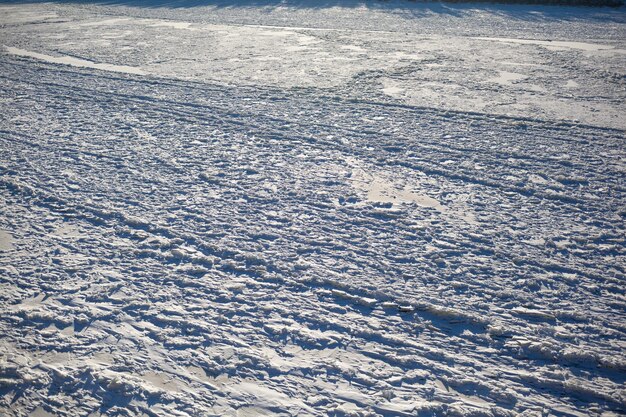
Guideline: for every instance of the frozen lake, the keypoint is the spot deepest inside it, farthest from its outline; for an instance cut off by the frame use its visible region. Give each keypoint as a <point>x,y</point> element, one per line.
<point>312,208</point>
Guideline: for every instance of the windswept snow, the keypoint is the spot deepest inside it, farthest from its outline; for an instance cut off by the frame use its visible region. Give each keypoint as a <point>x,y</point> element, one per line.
<point>75,62</point>
<point>395,210</point>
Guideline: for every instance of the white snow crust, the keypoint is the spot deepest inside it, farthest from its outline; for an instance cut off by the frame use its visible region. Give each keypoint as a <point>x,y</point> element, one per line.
<point>312,208</point>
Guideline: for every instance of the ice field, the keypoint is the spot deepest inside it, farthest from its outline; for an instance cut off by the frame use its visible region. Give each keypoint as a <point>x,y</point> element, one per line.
<point>213,208</point>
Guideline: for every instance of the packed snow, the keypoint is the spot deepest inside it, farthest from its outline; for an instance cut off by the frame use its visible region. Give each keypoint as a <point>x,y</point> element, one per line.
<point>312,208</point>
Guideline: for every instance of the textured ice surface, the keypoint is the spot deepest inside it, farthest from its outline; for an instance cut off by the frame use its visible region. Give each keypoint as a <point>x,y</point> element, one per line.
<point>287,209</point>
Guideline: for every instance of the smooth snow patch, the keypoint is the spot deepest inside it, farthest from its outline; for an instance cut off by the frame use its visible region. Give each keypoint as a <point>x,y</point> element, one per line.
<point>67,230</point>
<point>173,24</point>
<point>470,399</point>
<point>162,381</point>
<point>556,45</point>
<point>381,191</point>
<point>6,241</point>
<point>391,89</point>
<point>251,411</point>
<point>101,359</point>
<point>40,412</point>
<point>34,301</point>
<point>354,48</point>
<point>507,78</point>
<point>176,24</point>
<point>74,62</point>
<point>105,22</point>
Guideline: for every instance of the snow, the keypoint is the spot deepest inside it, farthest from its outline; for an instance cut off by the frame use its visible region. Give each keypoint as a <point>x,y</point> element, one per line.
<point>5,241</point>
<point>75,62</point>
<point>308,208</point>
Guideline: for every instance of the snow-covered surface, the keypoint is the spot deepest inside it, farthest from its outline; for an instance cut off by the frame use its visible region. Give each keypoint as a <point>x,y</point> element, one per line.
<point>312,209</point>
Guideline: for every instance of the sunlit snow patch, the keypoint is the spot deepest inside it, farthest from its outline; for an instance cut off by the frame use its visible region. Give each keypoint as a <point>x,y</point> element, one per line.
<point>74,62</point>
<point>381,191</point>
<point>162,381</point>
<point>106,22</point>
<point>176,24</point>
<point>508,78</point>
<point>6,241</point>
<point>557,45</point>
<point>391,89</point>
<point>40,412</point>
